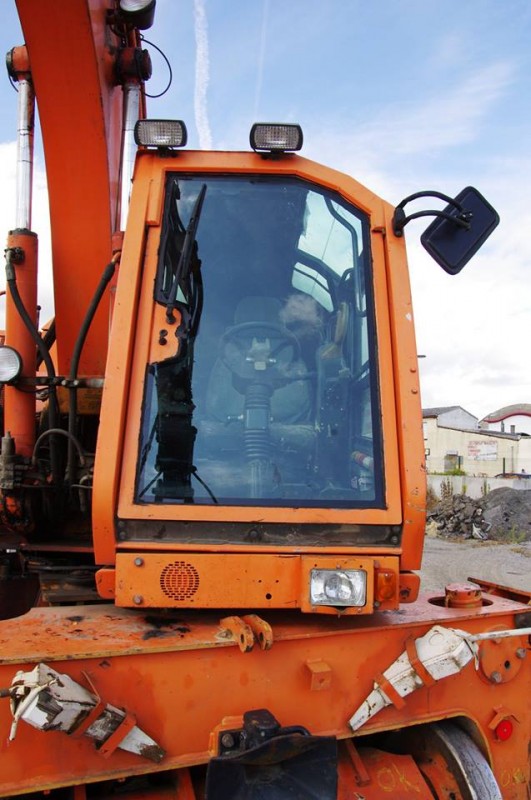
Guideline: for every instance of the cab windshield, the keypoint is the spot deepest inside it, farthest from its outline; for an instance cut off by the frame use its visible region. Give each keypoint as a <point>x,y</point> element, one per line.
<point>268,394</point>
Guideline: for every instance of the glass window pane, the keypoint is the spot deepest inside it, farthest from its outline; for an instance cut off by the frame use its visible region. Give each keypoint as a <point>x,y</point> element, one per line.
<point>268,395</point>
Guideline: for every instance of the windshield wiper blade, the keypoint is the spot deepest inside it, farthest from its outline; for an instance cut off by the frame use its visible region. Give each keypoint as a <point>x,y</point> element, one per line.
<point>187,251</point>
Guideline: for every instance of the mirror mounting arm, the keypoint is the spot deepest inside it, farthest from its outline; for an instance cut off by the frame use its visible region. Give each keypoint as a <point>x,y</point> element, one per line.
<point>400,220</point>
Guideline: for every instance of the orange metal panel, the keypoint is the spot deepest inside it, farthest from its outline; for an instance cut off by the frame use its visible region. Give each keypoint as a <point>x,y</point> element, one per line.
<point>112,419</point>
<point>207,581</point>
<point>123,395</point>
<point>387,776</point>
<point>180,676</point>
<point>71,61</point>
<point>19,406</point>
<point>408,406</point>
<point>231,581</point>
<point>332,516</point>
<point>212,547</point>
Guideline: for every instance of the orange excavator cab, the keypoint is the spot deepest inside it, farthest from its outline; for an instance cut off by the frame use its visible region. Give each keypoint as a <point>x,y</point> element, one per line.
<point>212,489</point>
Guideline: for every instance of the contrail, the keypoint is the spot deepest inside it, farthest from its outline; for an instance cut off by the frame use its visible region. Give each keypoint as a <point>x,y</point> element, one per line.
<point>261,59</point>
<point>202,76</point>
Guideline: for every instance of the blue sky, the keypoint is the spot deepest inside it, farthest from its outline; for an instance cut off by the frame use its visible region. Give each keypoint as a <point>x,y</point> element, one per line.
<point>402,94</point>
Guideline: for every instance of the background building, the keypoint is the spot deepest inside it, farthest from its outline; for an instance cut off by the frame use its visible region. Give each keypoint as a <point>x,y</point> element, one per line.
<point>456,441</point>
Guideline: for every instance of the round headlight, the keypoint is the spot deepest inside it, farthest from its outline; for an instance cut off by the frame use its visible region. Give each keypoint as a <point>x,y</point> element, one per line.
<point>139,13</point>
<point>10,364</point>
<point>337,587</point>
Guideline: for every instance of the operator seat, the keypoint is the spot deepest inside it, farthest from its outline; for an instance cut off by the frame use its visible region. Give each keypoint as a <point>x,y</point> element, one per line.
<point>290,404</point>
<point>222,447</point>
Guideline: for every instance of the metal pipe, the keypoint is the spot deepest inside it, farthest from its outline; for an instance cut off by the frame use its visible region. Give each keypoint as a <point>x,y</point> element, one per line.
<point>19,406</point>
<point>26,121</point>
<point>22,248</point>
<point>132,92</point>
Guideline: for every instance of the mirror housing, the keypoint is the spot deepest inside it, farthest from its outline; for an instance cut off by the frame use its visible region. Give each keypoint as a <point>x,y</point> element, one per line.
<point>451,244</point>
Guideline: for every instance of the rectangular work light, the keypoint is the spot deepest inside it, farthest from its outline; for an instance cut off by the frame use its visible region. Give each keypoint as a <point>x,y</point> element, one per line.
<point>161,133</point>
<point>276,137</point>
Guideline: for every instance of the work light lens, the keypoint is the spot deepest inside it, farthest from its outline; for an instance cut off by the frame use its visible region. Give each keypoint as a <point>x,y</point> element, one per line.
<point>10,364</point>
<point>276,137</point>
<point>334,587</point>
<point>160,133</point>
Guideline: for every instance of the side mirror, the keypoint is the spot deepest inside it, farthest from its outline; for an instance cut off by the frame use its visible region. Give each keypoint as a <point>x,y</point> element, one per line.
<point>458,231</point>
<point>452,245</point>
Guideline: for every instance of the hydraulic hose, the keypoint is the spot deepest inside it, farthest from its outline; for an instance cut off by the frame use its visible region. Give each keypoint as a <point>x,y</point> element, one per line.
<point>106,277</point>
<point>52,432</point>
<point>48,339</point>
<point>44,354</point>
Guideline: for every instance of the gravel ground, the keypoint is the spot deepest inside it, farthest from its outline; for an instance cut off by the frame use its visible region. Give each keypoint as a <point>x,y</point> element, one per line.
<point>446,561</point>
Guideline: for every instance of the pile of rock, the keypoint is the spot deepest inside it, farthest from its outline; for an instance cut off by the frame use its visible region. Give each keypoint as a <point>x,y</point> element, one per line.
<point>503,514</point>
<point>459,515</point>
<point>508,513</point>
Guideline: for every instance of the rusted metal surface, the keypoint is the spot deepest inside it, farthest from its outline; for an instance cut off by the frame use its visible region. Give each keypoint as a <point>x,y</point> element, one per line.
<point>180,678</point>
<point>97,631</point>
<point>262,630</point>
<point>453,763</point>
<point>416,663</point>
<point>498,589</point>
<point>239,632</point>
<point>49,700</point>
<point>501,660</point>
<point>361,776</point>
<point>320,675</point>
<point>463,595</point>
<point>372,774</point>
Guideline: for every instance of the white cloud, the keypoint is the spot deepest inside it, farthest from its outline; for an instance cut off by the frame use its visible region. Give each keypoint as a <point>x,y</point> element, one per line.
<point>422,128</point>
<point>40,223</point>
<point>8,163</point>
<point>449,118</point>
<point>451,50</point>
<point>202,76</point>
<point>473,328</point>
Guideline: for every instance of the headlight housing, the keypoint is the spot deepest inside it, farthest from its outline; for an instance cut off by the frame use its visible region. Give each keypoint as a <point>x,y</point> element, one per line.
<point>139,13</point>
<point>10,364</point>
<point>160,133</point>
<point>338,587</point>
<point>276,137</point>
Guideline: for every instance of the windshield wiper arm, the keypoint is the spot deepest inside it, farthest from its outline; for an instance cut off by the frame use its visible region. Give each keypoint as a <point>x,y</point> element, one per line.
<point>185,258</point>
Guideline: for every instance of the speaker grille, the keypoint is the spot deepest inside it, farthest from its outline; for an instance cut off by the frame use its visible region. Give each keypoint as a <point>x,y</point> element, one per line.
<point>179,580</point>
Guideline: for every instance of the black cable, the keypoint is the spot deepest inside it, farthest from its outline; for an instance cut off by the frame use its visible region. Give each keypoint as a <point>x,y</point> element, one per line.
<point>108,273</point>
<point>149,485</point>
<point>11,281</point>
<point>28,322</point>
<point>170,79</point>
<point>202,482</point>
<point>51,432</point>
<point>48,339</point>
